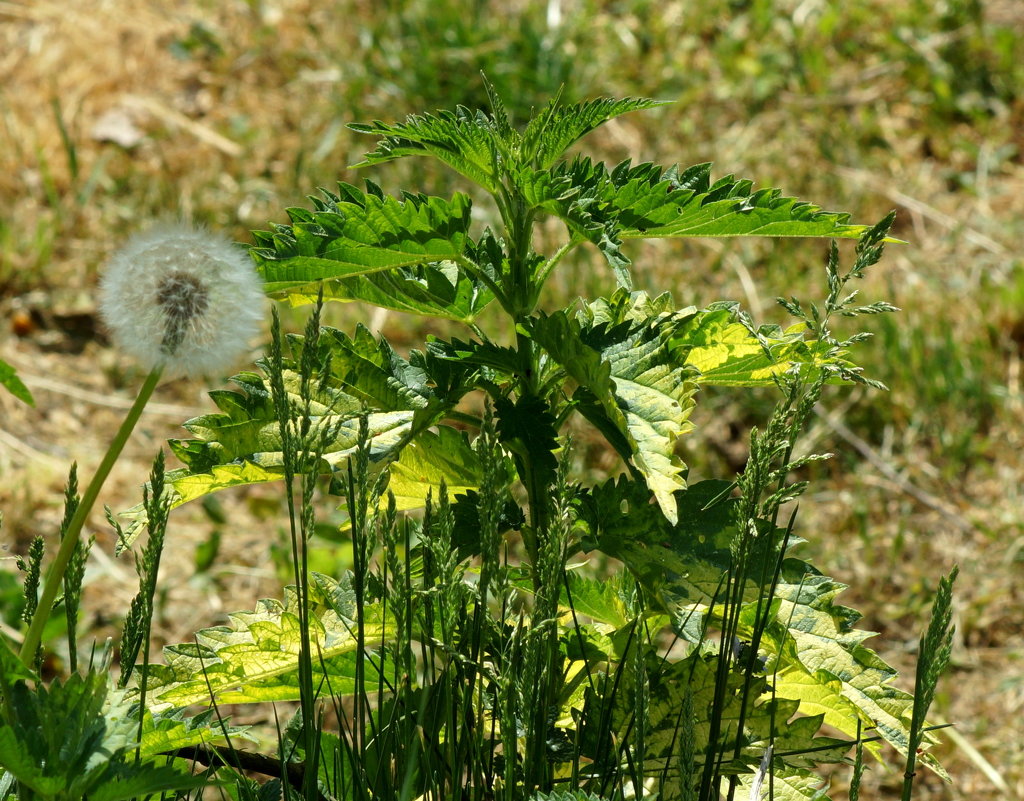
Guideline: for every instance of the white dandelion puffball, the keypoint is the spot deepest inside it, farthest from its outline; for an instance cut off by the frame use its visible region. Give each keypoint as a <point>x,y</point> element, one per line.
<point>182,299</point>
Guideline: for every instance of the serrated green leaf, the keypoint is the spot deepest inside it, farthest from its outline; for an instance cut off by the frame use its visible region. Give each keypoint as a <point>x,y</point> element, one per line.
<point>726,353</point>
<point>465,140</point>
<point>796,744</point>
<point>791,785</point>
<point>712,341</point>
<point>9,379</point>
<point>823,645</point>
<point>369,370</point>
<point>357,234</point>
<point>635,393</point>
<point>438,290</point>
<point>605,206</point>
<point>255,659</point>
<point>646,202</point>
<point>681,565</point>
<point>168,731</point>
<point>812,644</point>
<point>498,359</point>
<point>12,666</point>
<point>565,795</point>
<point>669,684</point>
<point>432,458</point>
<point>553,131</point>
<point>241,444</point>
<point>145,781</point>
<point>634,307</point>
<point>70,740</point>
<point>600,600</point>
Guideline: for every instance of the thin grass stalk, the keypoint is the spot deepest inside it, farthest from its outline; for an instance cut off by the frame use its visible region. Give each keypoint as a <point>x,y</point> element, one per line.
<point>76,569</point>
<point>641,700</point>
<point>604,756</point>
<point>158,509</point>
<point>292,434</point>
<point>687,753</point>
<point>357,501</point>
<point>934,655</point>
<point>858,767</point>
<point>488,512</point>
<point>55,573</point>
<point>778,439</point>
<point>711,777</point>
<point>589,672</point>
<point>751,484</point>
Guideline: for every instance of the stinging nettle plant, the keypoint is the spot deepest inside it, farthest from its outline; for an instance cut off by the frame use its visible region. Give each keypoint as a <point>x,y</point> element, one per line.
<point>469,653</point>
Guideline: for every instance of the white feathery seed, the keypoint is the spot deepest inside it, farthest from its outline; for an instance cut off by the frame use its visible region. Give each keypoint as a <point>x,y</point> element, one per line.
<point>182,299</point>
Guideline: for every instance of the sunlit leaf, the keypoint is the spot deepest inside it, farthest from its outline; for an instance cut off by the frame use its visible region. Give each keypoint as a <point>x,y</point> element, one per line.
<point>812,643</point>
<point>357,233</point>
<point>255,659</point>
<point>437,289</point>
<point>241,444</point>
<point>464,140</point>
<point>550,133</point>
<point>634,392</point>
<point>432,458</point>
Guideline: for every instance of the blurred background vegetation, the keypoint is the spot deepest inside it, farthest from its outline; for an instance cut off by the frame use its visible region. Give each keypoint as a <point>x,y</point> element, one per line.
<point>228,111</point>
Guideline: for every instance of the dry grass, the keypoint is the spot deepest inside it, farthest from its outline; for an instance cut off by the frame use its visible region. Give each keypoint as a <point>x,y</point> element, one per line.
<point>249,117</point>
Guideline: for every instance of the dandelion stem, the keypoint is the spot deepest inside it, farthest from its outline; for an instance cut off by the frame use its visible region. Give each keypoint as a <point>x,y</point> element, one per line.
<point>55,573</point>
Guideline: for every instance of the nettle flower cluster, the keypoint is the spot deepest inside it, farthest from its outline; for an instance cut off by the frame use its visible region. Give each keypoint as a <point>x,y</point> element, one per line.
<point>182,299</point>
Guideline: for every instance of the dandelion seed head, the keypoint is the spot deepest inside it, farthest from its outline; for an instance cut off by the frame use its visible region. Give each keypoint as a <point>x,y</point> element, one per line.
<point>182,299</point>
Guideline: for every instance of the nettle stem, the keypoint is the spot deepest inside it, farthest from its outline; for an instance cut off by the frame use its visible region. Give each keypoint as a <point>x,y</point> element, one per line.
<point>523,291</point>
<point>55,573</point>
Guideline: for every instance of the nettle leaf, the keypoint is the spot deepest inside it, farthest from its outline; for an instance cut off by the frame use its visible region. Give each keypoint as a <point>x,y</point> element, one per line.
<point>167,731</point>
<point>568,192</point>
<point>552,132</point>
<point>633,307</point>
<point>811,642</point>
<point>437,289</point>
<point>647,202</point>
<point>604,601</point>
<point>72,739</point>
<point>255,659</point>
<point>499,362</point>
<point>430,459</point>
<point>828,664</point>
<point>791,785</point>
<point>680,566</point>
<point>671,686</point>
<point>727,353</point>
<point>633,390</point>
<point>440,289</point>
<point>467,141</point>
<point>357,233</point>
<point>142,780</point>
<point>9,379</point>
<point>606,207</point>
<point>565,795</point>
<point>720,348</point>
<point>241,444</point>
<point>368,369</point>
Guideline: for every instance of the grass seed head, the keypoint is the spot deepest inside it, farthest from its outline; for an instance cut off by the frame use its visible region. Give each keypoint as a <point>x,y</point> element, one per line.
<point>182,299</point>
